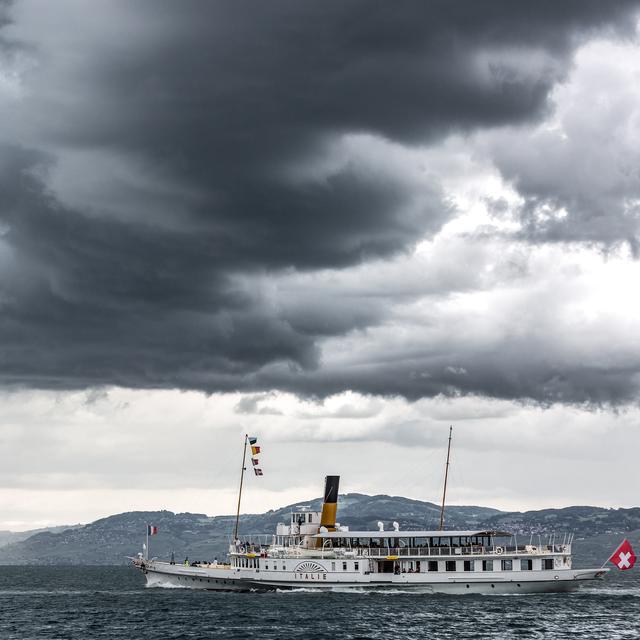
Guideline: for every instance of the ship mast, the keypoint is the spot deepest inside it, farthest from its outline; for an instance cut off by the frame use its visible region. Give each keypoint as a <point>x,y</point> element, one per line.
<point>243,469</point>
<point>446,475</point>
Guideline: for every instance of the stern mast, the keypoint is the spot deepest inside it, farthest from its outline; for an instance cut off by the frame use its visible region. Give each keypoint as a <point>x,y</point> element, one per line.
<point>446,475</point>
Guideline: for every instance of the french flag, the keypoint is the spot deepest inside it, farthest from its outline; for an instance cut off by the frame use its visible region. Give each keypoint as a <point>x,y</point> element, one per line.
<point>151,530</point>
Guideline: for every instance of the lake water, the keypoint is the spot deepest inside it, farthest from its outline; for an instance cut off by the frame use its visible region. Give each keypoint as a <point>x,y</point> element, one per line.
<point>112,602</point>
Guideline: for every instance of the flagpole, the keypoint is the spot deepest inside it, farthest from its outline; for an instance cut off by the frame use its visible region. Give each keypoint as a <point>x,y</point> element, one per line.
<point>607,560</point>
<point>147,550</point>
<point>446,475</point>
<point>244,456</point>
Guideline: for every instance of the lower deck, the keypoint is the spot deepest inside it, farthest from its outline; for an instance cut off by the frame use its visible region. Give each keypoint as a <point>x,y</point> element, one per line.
<point>392,564</point>
<point>314,575</point>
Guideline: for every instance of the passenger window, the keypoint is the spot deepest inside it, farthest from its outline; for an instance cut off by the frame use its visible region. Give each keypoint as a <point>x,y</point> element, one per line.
<point>333,566</point>
<point>547,563</point>
<point>344,566</point>
<point>433,565</point>
<point>450,565</point>
<point>468,565</point>
<point>487,565</point>
<point>356,566</point>
<point>507,565</point>
<point>526,564</point>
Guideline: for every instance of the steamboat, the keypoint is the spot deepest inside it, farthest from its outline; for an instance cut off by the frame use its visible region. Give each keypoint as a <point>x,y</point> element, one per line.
<point>314,551</point>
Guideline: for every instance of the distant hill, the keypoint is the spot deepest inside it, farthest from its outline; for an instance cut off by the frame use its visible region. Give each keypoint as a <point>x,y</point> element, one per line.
<point>7,537</point>
<point>583,521</point>
<point>109,540</point>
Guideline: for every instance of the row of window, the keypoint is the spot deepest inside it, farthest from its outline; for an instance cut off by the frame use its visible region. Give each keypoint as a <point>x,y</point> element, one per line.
<point>209,580</point>
<point>506,564</point>
<point>356,566</point>
<point>252,563</point>
<point>488,565</point>
<point>301,518</point>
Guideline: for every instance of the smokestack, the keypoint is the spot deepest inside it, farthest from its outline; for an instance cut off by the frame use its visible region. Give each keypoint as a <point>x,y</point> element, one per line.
<point>330,505</point>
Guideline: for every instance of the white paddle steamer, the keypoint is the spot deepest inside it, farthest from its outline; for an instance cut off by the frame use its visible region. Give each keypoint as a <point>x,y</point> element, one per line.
<point>313,551</point>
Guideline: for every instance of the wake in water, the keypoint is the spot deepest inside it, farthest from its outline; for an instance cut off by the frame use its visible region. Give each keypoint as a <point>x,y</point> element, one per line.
<point>166,585</point>
<point>633,592</point>
<point>362,591</point>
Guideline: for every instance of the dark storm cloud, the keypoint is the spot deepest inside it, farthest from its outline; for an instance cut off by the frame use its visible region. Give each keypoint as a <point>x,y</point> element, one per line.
<point>232,103</point>
<point>514,372</point>
<point>82,305</point>
<point>219,91</point>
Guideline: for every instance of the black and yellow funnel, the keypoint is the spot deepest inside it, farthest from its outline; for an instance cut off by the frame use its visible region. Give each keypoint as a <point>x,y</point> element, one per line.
<point>330,504</point>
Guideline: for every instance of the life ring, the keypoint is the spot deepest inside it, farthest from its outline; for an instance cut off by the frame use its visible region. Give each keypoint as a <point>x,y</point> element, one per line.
<point>499,549</point>
<point>242,548</point>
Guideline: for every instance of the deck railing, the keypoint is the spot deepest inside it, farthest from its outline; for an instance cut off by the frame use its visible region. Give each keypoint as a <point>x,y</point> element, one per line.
<point>527,550</point>
<point>423,551</point>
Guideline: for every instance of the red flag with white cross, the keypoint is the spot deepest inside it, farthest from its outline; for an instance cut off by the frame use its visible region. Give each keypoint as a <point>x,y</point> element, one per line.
<point>623,557</point>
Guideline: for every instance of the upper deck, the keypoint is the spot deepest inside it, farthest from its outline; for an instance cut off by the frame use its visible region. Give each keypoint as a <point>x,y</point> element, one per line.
<point>437,543</point>
<point>406,544</point>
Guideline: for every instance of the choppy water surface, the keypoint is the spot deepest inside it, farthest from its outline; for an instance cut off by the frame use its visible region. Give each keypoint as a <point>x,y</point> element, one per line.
<point>105,602</point>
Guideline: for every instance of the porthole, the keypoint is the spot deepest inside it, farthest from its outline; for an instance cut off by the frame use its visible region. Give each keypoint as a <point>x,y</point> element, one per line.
<point>493,586</point>
<point>467,586</point>
<point>518,584</point>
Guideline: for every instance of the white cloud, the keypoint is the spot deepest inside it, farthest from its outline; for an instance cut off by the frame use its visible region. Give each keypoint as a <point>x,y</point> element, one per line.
<point>69,457</point>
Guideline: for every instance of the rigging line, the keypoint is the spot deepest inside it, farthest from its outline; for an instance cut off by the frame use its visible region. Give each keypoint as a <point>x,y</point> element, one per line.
<point>244,456</point>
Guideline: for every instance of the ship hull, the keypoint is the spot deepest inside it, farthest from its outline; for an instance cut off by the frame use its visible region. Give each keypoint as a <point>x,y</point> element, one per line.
<point>225,578</point>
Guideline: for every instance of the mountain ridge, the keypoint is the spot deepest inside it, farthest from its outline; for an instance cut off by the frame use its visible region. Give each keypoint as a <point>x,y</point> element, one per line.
<point>110,539</point>
<point>7,537</point>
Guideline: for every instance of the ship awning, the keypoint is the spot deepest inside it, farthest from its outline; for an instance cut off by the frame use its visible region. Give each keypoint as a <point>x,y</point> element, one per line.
<point>413,534</point>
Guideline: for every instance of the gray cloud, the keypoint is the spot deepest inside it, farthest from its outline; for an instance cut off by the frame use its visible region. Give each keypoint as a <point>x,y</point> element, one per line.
<point>211,112</point>
<point>578,175</point>
<point>522,370</point>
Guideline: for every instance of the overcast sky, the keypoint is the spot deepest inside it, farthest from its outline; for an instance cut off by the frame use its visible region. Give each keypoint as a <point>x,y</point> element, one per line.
<point>341,226</point>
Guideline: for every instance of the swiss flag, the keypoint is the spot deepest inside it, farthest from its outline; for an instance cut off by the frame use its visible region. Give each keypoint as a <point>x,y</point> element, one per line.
<point>623,557</point>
